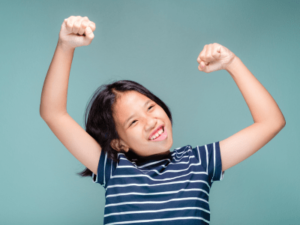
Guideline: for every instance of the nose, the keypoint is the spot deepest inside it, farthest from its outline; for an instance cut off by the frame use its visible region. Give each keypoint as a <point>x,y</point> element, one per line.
<point>151,123</point>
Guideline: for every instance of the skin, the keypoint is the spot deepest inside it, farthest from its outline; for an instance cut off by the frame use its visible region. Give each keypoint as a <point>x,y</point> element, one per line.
<point>135,133</point>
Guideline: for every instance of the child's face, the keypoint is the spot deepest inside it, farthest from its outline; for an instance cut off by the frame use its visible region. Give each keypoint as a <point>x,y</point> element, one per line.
<point>135,132</point>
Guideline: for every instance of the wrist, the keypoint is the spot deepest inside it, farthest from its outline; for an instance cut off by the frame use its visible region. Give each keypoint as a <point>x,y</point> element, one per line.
<point>230,67</point>
<point>64,46</point>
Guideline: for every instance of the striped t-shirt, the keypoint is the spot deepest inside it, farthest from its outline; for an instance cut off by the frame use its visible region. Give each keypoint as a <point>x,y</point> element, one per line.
<point>170,191</point>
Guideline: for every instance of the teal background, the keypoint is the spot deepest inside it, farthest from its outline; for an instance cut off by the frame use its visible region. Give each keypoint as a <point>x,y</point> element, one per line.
<point>155,43</point>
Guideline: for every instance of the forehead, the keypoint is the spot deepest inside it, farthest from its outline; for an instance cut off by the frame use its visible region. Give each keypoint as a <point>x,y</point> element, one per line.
<point>127,104</point>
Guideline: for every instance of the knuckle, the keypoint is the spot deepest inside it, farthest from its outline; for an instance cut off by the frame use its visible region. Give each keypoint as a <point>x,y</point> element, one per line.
<point>78,18</point>
<point>69,23</point>
<point>215,54</point>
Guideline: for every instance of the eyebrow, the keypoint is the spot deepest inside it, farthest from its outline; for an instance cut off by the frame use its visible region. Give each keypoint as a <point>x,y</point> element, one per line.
<point>134,114</point>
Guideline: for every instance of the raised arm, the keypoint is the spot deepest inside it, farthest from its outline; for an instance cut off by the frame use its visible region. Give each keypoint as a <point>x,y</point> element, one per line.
<point>75,31</point>
<point>268,119</point>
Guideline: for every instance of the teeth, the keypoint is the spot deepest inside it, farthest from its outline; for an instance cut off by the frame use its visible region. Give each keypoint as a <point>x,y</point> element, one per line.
<point>157,134</point>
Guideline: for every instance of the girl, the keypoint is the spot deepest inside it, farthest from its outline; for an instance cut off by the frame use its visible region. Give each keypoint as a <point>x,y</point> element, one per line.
<point>126,145</point>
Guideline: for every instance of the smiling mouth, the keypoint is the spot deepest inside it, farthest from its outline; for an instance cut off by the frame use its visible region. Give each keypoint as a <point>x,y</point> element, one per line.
<point>162,136</point>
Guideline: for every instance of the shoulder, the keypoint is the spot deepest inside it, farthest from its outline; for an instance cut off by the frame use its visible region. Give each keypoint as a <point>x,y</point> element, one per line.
<point>184,151</point>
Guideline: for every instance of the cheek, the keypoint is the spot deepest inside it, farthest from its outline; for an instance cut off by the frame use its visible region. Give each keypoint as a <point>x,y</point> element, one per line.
<point>135,134</point>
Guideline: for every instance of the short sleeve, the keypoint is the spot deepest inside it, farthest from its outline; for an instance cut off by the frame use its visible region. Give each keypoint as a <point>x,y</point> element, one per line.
<point>212,162</point>
<point>104,171</point>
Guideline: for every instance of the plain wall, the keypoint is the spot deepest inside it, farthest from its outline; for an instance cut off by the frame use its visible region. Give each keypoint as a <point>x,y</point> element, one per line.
<point>155,43</point>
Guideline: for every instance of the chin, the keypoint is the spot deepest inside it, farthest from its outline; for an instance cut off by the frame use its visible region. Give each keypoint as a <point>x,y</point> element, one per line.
<point>170,143</point>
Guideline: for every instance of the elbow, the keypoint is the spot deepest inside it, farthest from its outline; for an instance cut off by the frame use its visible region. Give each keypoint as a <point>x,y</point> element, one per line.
<point>47,115</point>
<point>277,125</point>
<point>41,111</point>
<point>44,114</point>
<point>282,124</point>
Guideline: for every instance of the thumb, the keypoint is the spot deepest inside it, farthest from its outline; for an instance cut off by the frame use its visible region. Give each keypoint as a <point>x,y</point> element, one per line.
<point>203,67</point>
<point>210,67</point>
<point>89,33</point>
<point>92,25</point>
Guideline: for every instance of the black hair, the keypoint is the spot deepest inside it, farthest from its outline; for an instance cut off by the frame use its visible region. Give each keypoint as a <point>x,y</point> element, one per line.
<point>99,120</point>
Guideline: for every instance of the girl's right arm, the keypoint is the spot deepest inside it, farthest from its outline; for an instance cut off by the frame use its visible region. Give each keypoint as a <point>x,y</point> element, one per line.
<point>75,31</point>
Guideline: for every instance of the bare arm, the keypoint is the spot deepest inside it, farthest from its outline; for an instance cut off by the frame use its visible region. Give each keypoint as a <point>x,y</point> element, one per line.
<point>53,107</point>
<point>262,106</point>
<point>268,119</point>
<point>55,89</point>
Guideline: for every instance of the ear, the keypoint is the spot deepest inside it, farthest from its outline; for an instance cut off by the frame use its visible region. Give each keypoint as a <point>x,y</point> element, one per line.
<point>119,146</point>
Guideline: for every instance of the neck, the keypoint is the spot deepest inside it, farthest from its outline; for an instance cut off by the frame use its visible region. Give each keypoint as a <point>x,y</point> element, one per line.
<point>140,159</point>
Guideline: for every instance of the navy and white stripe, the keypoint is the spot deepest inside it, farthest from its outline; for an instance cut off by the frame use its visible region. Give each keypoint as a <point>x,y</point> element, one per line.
<point>174,190</point>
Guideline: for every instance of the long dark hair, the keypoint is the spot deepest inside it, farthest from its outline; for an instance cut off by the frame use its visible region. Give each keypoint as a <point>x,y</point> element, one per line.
<point>99,120</point>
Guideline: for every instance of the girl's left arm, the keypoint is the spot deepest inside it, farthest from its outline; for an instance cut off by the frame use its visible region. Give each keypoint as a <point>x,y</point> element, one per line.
<point>268,119</point>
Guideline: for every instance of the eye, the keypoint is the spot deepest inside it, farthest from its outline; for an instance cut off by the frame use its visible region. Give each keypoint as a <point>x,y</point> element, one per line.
<point>133,122</point>
<point>151,106</point>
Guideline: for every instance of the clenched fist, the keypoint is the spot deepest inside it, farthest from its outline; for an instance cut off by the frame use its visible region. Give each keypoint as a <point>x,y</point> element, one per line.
<point>214,57</point>
<point>76,31</point>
